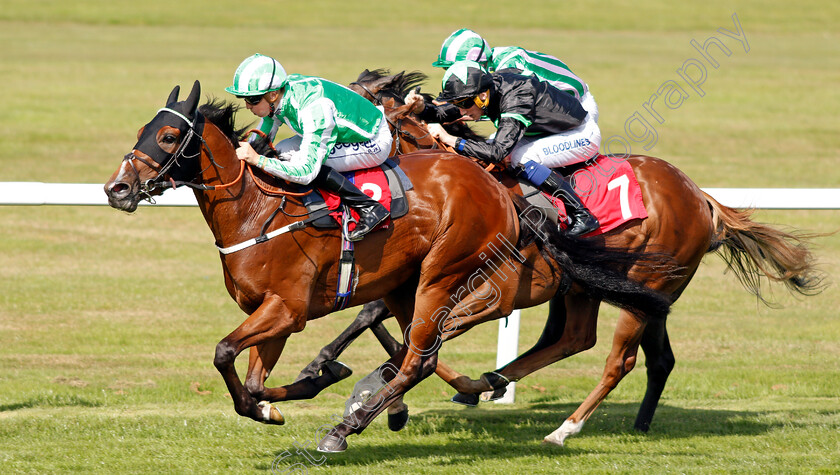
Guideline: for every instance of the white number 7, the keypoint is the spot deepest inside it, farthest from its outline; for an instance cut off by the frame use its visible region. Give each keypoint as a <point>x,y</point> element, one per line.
<point>623,184</point>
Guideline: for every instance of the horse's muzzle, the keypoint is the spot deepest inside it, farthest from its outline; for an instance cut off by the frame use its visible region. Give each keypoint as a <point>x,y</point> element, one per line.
<point>122,195</point>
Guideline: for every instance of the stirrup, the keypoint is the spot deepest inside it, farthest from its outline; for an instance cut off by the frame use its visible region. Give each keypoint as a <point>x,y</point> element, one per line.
<point>362,229</point>
<point>345,222</point>
<point>583,226</point>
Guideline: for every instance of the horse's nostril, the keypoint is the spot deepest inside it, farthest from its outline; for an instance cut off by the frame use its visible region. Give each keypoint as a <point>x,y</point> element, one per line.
<point>119,189</point>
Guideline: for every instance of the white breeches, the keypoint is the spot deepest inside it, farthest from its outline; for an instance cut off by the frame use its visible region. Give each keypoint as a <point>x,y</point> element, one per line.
<point>350,156</point>
<point>566,148</point>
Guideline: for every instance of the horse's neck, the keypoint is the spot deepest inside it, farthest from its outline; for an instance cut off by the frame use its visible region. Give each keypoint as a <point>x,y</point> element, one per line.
<point>238,212</point>
<point>411,132</point>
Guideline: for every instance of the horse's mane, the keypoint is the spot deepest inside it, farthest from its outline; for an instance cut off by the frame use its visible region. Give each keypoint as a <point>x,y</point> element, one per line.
<point>400,87</point>
<point>223,114</point>
<point>403,84</point>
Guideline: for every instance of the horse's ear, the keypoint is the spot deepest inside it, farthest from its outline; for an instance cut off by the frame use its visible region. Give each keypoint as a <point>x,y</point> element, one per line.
<point>173,96</point>
<point>386,81</point>
<point>191,103</point>
<point>363,75</point>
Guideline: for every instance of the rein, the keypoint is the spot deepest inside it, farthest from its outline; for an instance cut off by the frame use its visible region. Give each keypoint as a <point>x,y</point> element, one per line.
<point>436,143</point>
<point>375,98</point>
<point>264,188</point>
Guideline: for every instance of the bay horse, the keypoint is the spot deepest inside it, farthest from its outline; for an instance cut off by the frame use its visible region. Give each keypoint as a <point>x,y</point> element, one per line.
<point>683,222</point>
<point>458,258</point>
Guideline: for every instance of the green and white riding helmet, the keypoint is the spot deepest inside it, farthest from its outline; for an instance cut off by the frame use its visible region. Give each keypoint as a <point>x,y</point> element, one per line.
<point>463,44</point>
<point>257,75</point>
<point>462,80</point>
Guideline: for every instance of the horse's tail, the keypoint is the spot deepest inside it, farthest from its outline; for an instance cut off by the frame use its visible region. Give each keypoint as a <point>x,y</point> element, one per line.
<point>754,251</point>
<point>602,270</point>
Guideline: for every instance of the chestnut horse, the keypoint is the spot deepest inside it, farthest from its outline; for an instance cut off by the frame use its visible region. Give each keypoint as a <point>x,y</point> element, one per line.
<point>683,222</point>
<point>458,258</point>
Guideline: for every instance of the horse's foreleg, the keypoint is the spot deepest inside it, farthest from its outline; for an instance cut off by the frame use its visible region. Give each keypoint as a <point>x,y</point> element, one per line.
<point>262,359</point>
<point>621,361</point>
<point>391,345</point>
<point>372,314</point>
<point>271,322</point>
<point>398,410</point>
<point>415,361</point>
<point>571,327</point>
<point>414,368</point>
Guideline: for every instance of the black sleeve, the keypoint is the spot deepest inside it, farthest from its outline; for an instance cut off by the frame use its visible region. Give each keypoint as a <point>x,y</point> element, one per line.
<point>509,133</point>
<point>441,114</point>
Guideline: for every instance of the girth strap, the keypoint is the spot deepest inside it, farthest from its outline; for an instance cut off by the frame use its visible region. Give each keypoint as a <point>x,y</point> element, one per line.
<point>346,273</point>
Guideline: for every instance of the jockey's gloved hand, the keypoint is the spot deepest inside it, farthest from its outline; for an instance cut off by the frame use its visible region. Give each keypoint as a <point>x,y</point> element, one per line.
<point>416,101</point>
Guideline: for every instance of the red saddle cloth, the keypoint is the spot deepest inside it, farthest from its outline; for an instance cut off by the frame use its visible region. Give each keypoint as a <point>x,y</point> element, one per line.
<point>372,182</point>
<point>609,189</point>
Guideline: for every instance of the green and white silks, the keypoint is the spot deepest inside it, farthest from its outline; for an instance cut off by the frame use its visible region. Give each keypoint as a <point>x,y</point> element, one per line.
<point>334,126</point>
<point>547,68</point>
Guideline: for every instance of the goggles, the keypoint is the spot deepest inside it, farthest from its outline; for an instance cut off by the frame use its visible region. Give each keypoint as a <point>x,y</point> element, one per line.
<point>463,103</point>
<point>252,100</point>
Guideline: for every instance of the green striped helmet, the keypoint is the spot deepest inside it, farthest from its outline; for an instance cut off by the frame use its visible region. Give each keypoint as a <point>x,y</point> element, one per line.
<point>257,75</point>
<point>464,79</point>
<point>463,44</point>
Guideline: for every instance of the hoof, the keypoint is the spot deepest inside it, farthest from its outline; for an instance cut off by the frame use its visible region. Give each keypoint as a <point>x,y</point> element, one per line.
<point>466,399</point>
<point>558,437</point>
<point>495,380</point>
<point>270,414</point>
<point>494,395</point>
<point>332,444</point>
<point>337,369</point>
<point>642,426</point>
<point>398,420</point>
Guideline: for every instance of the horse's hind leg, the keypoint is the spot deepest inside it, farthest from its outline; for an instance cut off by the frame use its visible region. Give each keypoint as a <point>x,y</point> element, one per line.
<point>620,362</point>
<point>422,320</point>
<point>570,329</point>
<point>659,360</point>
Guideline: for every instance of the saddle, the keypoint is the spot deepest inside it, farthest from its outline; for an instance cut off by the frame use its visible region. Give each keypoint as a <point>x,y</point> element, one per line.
<point>607,186</point>
<point>397,182</point>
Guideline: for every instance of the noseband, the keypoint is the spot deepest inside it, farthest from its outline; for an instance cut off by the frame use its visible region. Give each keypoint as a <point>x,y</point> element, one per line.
<point>158,182</point>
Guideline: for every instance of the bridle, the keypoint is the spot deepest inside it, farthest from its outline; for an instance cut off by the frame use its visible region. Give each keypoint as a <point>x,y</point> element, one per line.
<point>398,132</point>
<point>436,144</point>
<point>375,98</point>
<point>160,183</point>
<point>162,168</point>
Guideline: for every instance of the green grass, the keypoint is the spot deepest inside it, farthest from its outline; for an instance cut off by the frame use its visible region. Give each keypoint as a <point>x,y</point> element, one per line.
<point>108,321</point>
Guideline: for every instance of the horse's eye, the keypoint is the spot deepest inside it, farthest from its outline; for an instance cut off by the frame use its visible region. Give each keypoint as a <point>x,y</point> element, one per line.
<point>169,139</point>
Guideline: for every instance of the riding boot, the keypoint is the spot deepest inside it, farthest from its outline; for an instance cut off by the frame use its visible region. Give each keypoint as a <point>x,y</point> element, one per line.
<point>371,213</point>
<point>582,221</point>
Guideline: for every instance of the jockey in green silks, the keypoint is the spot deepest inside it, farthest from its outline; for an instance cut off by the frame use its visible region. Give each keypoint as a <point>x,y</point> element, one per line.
<point>531,118</point>
<point>336,130</point>
<point>535,149</point>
